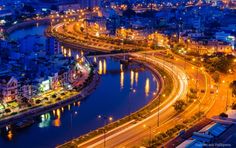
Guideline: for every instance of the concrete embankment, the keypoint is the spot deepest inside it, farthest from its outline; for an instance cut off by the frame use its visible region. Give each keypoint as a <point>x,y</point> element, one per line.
<point>44,109</point>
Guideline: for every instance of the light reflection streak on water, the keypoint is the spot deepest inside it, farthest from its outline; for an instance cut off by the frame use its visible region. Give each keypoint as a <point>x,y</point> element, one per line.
<point>136,78</point>
<point>54,113</point>
<point>100,67</point>
<point>121,67</point>
<point>45,120</point>
<point>9,135</point>
<point>57,122</point>
<point>104,66</point>
<point>121,80</point>
<point>65,52</point>
<point>69,52</point>
<point>131,78</point>
<point>95,59</point>
<point>147,87</point>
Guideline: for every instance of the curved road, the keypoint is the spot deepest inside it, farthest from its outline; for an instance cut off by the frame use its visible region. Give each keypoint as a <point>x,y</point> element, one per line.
<point>121,135</point>
<point>183,75</point>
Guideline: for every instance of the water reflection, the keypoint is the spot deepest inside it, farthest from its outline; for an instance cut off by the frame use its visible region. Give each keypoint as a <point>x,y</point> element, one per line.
<point>45,120</point>
<point>100,67</point>
<point>131,78</point>
<point>121,80</point>
<point>54,113</point>
<point>121,67</point>
<point>147,87</point>
<point>104,66</point>
<point>9,135</point>
<point>136,78</point>
<point>57,121</point>
<point>95,59</point>
<point>64,52</point>
<point>69,52</point>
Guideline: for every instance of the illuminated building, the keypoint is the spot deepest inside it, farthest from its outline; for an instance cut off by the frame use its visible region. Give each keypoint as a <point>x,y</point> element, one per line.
<point>8,88</point>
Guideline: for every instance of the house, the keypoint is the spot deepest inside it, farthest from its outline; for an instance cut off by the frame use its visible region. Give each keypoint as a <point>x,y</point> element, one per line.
<point>8,88</point>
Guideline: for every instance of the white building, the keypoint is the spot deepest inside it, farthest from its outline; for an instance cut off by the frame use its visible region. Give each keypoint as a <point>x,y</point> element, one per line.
<point>226,37</point>
<point>8,88</point>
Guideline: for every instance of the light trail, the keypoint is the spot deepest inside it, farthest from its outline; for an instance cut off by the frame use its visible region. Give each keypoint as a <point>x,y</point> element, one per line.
<point>183,85</point>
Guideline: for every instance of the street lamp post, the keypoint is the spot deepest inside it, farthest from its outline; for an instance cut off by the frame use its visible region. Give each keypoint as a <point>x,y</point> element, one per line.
<point>158,115</point>
<point>227,95</point>
<point>105,118</point>
<point>199,107</point>
<point>129,101</point>
<point>150,133</point>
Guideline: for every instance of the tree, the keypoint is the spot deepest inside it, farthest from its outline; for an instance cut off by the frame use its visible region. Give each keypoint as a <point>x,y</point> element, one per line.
<point>179,105</point>
<point>221,63</point>
<point>7,110</point>
<point>28,8</point>
<point>54,7</point>
<point>234,106</point>
<point>224,115</point>
<point>82,29</point>
<point>216,76</point>
<point>233,87</point>
<point>129,13</point>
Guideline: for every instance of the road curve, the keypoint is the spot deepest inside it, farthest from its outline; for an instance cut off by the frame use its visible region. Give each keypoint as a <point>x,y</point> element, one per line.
<point>114,139</point>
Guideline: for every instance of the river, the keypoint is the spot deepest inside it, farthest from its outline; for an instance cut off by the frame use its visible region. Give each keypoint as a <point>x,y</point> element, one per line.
<point>120,91</point>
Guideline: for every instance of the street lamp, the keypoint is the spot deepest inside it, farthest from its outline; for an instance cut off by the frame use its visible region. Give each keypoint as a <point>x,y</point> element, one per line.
<point>105,118</point>
<point>227,94</point>
<point>131,91</point>
<point>199,107</point>
<point>150,132</point>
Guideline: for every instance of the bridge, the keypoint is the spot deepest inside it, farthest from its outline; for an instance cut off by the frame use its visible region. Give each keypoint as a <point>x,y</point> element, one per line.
<point>124,54</point>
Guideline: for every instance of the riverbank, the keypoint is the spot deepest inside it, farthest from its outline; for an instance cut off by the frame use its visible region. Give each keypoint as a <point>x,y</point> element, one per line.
<point>38,110</point>
<point>26,24</point>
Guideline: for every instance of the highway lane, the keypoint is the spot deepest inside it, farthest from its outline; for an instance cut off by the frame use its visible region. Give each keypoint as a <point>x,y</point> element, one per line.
<point>173,118</point>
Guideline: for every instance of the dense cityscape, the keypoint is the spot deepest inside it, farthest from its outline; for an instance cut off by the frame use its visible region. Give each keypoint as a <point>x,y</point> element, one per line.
<point>117,73</point>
